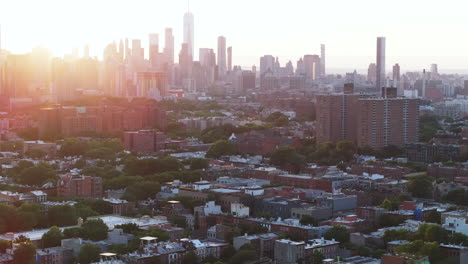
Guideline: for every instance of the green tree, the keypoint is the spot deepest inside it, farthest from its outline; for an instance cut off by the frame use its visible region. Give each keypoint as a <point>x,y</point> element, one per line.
<point>339,233</point>
<point>36,175</point>
<point>285,156</point>
<point>29,215</point>
<point>387,204</point>
<point>433,217</point>
<point>396,234</point>
<point>317,257</point>
<point>221,148</point>
<point>73,147</point>
<point>4,245</point>
<point>458,196</point>
<point>190,258</point>
<point>94,230</point>
<point>142,191</point>
<point>62,215</point>
<point>73,232</point>
<point>308,220</point>
<point>432,232</point>
<point>35,154</point>
<point>52,238</point>
<point>199,164</point>
<point>178,221</point>
<point>386,220</point>
<point>243,256</point>
<point>278,119</point>
<point>421,186</point>
<point>89,253</point>
<point>24,253</point>
<point>130,228</point>
<point>228,252</point>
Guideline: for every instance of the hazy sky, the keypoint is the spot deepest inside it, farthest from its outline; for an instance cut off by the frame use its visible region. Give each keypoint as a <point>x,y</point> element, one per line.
<point>418,32</point>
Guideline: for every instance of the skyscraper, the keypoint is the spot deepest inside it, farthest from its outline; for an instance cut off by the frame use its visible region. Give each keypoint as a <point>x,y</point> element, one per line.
<point>189,32</point>
<point>434,71</point>
<point>380,63</point>
<point>397,83</point>
<point>371,73</point>
<point>322,59</point>
<point>312,66</point>
<point>153,49</point>
<point>229,58</point>
<point>221,57</point>
<point>267,63</point>
<point>169,46</point>
<point>121,51</point>
<point>86,51</point>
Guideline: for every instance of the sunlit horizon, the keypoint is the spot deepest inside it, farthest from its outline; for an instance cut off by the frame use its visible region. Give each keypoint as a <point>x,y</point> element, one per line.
<point>287,30</point>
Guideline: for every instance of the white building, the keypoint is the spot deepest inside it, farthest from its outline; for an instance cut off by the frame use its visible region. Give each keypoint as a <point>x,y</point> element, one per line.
<point>240,210</point>
<point>201,185</point>
<point>211,208</point>
<point>456,221</point>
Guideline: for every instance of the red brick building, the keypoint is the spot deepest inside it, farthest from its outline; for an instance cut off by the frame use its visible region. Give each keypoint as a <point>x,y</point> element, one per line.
<point>79,186</point>
<point>144,141</point>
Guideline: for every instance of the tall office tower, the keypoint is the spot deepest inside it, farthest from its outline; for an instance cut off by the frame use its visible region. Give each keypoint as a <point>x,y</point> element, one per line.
<point>86,51</point>
<point>151,84</point>
<point>169,46</point>
<point>312,67</point>
<point>322,59</point>
<point>205,56</point>
<point>380,64</point>
<point>434,71</point>
<point>229,58</point>
<point>185,62</point>
<point>387,121</point>
<point>18,72</point>
<point>221,57</point>
<point>153,49</point>
<point>337,115</point>
<point>300,67</point>
<point>137,61</point>
<point>189,32</point>
<point>127,50</point>
<point>372,73</point>
<point>121,51</point>
<point>424,84</point>
<point>396,78</point>
<point>267,64</point>
<point>247,81</point>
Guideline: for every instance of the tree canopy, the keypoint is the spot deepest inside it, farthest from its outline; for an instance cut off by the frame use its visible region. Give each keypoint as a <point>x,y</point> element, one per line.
<point>221,148</point>
<point>89,253</point>
<point>339,233</point>
<point>52,238</point>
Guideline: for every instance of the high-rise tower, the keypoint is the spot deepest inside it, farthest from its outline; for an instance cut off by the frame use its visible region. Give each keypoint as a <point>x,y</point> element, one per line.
<point>169,46</point>
<point>221,57</point>
<point>153,49</point>
<point>322,59</point>
<point>380,63</point>
<point>189,32</point>
<point>229,58</point>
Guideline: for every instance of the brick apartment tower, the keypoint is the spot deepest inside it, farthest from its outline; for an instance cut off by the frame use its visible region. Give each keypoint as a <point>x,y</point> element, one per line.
<point>368,121</point>
<point>388,121</point>
<point>337,115</point>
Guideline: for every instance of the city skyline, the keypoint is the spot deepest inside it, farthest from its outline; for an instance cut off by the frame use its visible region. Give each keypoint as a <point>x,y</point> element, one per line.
<point>353,49</point>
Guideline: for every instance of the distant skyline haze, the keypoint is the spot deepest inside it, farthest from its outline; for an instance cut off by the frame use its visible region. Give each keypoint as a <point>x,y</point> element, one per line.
<point>418,33</point>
